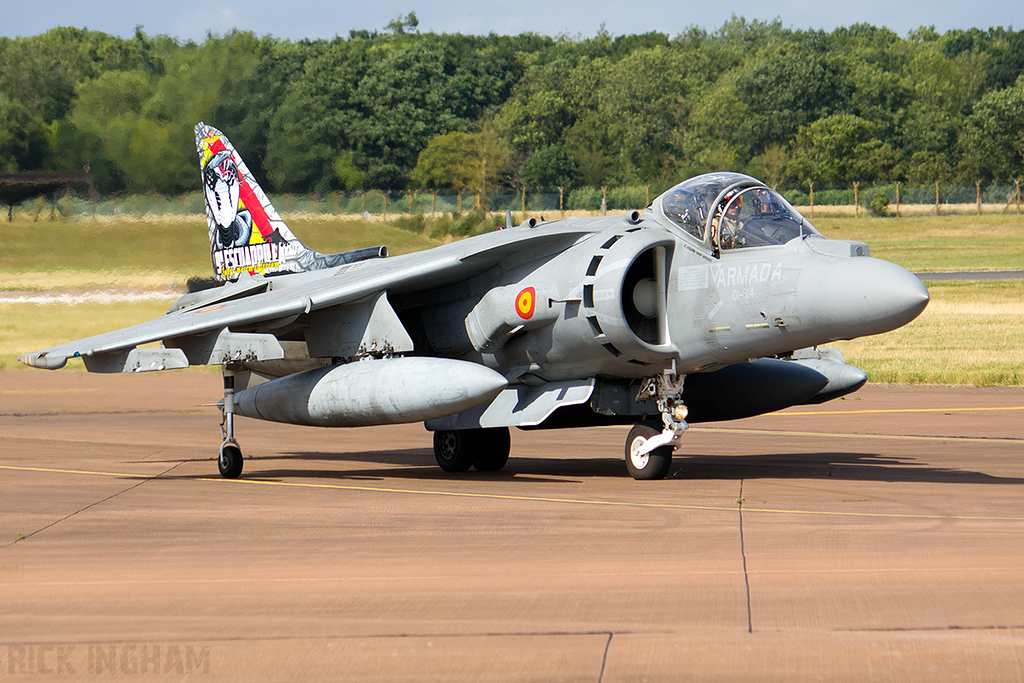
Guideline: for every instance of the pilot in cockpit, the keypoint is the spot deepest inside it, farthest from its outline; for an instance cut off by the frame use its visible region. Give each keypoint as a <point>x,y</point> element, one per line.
<point>727,225</point>
<point>766,206</point>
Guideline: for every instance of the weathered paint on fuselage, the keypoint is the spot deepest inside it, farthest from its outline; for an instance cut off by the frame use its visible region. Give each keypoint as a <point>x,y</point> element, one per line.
<point>718,309</point>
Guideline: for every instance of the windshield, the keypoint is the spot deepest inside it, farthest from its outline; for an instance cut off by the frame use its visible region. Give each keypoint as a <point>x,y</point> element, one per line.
<point>758,217</point>
<point>733,211</point>
<point>689,203</point>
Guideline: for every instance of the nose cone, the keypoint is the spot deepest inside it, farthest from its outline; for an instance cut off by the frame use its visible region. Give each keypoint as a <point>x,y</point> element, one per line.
<point>870,296</point>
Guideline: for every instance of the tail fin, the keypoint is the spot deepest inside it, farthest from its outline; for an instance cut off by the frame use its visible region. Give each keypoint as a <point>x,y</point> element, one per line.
<point>246,233</point>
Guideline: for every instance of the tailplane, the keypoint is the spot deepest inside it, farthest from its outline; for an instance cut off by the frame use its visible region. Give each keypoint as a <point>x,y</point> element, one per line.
<point>246,233</point>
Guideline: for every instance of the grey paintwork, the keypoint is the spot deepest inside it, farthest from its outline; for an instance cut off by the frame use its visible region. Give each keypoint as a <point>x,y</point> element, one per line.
<point>544,324</point>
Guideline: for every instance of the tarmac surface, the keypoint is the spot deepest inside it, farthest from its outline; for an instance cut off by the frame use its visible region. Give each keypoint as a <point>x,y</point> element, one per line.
<point>877,538</point>
<point>971,275</point>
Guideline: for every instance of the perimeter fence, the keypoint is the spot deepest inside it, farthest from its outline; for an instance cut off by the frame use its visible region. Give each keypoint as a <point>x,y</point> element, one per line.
<point>858,199</point>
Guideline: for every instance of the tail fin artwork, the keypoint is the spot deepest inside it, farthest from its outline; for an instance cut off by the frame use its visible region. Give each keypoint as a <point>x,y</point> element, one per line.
<point>246,233</point>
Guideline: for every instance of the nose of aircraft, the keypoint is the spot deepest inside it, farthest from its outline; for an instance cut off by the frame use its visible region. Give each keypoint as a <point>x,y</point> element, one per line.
<point>870,296</point>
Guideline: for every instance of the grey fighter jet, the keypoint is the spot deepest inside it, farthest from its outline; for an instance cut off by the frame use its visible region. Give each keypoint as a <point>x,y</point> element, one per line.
<point>710,304</point>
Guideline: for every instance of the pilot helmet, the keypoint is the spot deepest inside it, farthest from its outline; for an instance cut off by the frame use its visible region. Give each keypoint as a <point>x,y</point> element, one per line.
<point>736,203</point>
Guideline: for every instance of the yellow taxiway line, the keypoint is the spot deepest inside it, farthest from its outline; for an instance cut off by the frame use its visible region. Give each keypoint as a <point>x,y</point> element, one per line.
<point>518,575</point>
<point>537,499</point>
<point>903,410</point>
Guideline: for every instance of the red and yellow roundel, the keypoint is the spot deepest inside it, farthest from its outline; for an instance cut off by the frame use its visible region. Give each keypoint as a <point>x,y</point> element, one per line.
<point>526,301</point>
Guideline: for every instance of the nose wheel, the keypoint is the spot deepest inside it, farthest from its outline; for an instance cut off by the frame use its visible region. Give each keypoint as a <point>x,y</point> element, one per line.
<point>650,443</point>
<point>643,464</point>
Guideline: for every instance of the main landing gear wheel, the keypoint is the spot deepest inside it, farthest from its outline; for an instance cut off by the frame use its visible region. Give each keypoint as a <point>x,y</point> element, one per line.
<point>456,450</point>
<point>453,450</point>
<point>230,461</point>
<point>653,465</point>
<point>492,450</point>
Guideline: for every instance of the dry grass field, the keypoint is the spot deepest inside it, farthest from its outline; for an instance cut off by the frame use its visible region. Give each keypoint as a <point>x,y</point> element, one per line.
<point>930,243</point>
<point>971,333</point>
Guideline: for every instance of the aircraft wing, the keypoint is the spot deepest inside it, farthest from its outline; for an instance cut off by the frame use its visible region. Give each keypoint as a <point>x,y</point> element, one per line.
<point>293,295</point>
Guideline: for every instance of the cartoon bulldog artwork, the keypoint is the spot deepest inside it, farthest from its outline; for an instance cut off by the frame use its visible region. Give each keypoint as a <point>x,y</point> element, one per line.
<point>221,184</point>
<point>246,233</point>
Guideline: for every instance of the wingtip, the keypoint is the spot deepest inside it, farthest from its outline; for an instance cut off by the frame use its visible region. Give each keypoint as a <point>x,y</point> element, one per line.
<point>43,360</point>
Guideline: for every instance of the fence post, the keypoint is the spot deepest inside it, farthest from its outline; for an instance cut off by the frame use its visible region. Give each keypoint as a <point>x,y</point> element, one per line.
<point>561,211</point>
<point>977,186</point>
<point>811,185</point>
<point>384,194</point>
<point>897,199</point>
<point>412,198</point>
<point>647,195</point>
<point>524,203</point>
<point>856,199</point>
<point>936,197</point>
<point>1017,185</point>
<point>92,191</point>
<point>337,203</point>
<point>433,202</point>
<point>362,203</point>
<point>460,201</point>
<point>604,200</point>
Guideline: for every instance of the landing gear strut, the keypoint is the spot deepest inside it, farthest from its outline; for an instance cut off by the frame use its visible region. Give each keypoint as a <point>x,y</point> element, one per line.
<point>648,448</point>
<point>230,461</point>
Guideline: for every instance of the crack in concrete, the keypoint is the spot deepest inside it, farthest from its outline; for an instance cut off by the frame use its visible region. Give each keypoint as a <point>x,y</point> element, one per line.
<point>604,659</point>
<point>90,505</point>
<point>743,555</point>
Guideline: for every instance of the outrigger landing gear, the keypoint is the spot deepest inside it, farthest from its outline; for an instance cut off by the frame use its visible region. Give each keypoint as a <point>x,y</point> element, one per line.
<point>648,450</point>
<point>230,461</point>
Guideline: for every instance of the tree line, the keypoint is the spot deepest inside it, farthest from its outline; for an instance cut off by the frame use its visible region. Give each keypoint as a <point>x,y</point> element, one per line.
<point>399,109</point>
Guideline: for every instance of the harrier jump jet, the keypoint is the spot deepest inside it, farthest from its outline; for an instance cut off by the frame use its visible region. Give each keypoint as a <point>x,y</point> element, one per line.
<point>707,305</point>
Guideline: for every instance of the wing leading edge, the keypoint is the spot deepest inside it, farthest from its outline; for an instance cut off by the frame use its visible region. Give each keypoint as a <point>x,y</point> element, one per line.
<point>289,296</point>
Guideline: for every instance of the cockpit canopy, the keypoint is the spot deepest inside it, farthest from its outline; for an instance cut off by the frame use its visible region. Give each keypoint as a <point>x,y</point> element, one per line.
<point>731,211</point>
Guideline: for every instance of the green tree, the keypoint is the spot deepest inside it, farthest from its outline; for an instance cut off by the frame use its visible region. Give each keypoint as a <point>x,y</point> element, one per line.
<point>770,165</point>
<point>385,98</point>
<point>99,129</point>
<point>992,141</point>
<point>943,94</point>
<point>924,168</point>
<point>550,166</point>
<point>460,161</point>
<point>246,113</point>
<point>824,151</point>
<point>23,136</point>
<point>874,161</point>
<point>348,173</point>
<point>790,86</point>
<point>642,106</point>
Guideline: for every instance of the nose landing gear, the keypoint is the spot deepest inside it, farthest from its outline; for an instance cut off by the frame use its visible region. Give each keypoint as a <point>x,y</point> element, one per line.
<point>648,448</point>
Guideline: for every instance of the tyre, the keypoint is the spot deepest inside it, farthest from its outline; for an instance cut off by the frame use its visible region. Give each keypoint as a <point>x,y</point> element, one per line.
<point>454,449</point>
<point>230,461</point>
<point>653,465</point>
<point>493,446</point>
